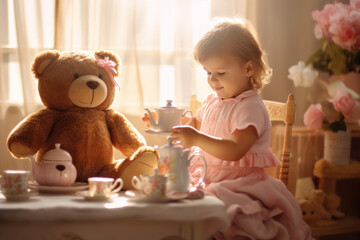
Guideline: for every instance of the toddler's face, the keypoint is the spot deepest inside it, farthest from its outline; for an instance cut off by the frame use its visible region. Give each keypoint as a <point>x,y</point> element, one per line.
<point>227,75</point>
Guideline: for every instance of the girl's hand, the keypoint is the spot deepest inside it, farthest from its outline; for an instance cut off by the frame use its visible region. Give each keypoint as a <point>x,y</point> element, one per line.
<point>230,149</point>
<point>196,193</point>
<point>146,118</point>
<point>185,135</point>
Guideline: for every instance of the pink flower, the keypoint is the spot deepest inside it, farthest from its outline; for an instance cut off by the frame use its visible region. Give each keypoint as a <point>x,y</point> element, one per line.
<point>314,116</point>
<point>339,23</point>
<point>344,27</point>
<point>323,21</point>
<point>343,103</point>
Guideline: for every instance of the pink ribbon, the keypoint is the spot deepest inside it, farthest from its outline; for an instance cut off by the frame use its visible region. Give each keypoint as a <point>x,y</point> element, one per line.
<point>109,66</point>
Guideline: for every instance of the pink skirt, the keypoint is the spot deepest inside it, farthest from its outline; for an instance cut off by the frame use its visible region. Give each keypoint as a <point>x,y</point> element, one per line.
<point>259,207</point>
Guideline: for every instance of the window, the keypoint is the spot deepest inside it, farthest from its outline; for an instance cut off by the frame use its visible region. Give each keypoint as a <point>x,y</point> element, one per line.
<point>26,26</point>
<point>154,39</point>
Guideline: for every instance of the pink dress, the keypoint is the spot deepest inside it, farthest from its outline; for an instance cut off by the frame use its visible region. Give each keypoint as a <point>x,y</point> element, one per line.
<point>259,206</point>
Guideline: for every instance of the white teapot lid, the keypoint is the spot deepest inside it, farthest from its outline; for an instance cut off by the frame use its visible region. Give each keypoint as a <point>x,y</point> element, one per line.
<point>57,154</point>
<point>169,106</point>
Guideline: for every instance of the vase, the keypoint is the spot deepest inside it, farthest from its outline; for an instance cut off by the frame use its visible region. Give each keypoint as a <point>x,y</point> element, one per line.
<point>337,147</point>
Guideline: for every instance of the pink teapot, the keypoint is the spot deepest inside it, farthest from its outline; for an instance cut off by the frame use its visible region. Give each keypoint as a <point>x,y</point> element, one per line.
<point>174,162</point>
<point>55,169</point>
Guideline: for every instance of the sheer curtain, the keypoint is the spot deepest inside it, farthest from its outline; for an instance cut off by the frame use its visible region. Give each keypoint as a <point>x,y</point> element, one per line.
<point>26,28</point>
<point>154,39</point>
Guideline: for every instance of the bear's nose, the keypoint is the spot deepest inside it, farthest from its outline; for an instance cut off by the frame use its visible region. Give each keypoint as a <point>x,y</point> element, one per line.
<point>92,84</point>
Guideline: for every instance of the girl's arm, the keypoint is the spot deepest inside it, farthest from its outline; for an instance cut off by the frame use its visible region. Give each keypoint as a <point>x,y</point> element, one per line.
<point>231,149</point>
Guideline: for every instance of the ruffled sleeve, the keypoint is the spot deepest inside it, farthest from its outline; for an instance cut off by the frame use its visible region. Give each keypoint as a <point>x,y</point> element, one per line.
<point>251,112</point>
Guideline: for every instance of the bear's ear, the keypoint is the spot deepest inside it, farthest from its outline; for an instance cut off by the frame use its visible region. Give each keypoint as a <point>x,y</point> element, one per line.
<point>43,60</point>
<point>112,56</point>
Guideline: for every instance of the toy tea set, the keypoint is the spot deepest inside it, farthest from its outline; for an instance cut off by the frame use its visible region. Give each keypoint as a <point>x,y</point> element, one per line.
<point>14,185</point>
<point>56,172</point>
<point>172,178</point>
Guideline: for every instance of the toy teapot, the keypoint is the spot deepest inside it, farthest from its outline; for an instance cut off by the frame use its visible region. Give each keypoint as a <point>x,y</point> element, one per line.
<point>174,163</point>
<point>168,117</point>
<point>55,169</point>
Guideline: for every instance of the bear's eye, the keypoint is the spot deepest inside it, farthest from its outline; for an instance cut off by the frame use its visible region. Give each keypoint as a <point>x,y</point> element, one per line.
<point>76,75</point>
<point>100,76</point>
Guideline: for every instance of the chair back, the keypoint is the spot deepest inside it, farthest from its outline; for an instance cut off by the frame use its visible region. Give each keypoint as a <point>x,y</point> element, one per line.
<point>285,112</point>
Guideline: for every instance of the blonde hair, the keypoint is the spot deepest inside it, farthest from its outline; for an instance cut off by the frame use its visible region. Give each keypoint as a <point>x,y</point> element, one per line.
<point>237,37</point>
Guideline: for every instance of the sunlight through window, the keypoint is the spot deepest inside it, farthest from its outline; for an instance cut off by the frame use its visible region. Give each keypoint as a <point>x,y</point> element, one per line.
<point>167,84</point>
<point>15,85</point>
<point>11,62</point>
<point>11,22</point>
<point>167,22</point>
<point>201,17</point>
<point>32,31</point>
<point>165,30</point>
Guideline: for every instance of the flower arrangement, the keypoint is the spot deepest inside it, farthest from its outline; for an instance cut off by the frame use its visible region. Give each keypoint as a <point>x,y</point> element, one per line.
<point>331,115</point>
<point>338,27</point>
<point>337,102</point>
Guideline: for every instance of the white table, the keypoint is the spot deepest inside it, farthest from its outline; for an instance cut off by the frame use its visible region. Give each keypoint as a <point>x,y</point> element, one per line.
<point>60,217</point>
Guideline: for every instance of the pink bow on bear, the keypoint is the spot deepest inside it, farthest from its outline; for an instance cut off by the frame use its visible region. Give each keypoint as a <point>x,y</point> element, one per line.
<point>110,68</point>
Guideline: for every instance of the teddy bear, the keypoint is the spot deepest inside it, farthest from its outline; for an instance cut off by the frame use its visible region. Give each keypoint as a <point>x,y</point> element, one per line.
<point>312,207</point>
<point>309,211</point>
<point>320,208</point>
<point>77,89</point>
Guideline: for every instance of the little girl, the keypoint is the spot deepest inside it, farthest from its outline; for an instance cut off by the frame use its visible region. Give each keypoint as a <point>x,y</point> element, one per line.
<point>232,131</point>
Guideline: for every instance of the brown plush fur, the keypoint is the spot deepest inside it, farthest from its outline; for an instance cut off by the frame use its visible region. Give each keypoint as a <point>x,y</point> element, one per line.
<point>87,132</point>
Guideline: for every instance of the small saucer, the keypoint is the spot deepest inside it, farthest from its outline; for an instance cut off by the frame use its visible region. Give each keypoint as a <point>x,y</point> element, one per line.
<point>77,186</point>
<point>137,196</point>
<point>86,196</point>
<point>20,197</point>
<point>157,132</point>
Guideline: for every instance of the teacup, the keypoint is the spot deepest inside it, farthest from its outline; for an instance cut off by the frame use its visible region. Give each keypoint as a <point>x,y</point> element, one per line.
<point>104,187</point>
<point>153,186</point>
<point>14,182</point>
